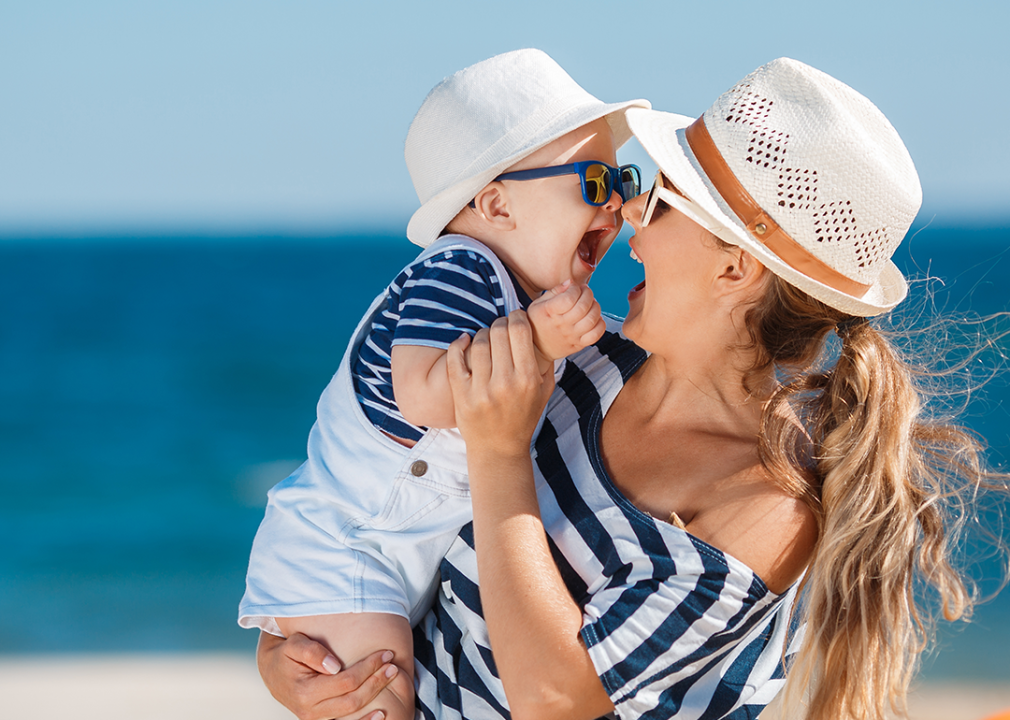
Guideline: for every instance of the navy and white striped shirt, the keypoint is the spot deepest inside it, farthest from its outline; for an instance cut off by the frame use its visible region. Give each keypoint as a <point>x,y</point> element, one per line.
<point>674,626</point>
<point>430,303</point>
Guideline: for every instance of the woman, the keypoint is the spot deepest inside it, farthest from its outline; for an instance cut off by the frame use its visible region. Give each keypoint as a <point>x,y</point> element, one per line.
<point>690,480</point>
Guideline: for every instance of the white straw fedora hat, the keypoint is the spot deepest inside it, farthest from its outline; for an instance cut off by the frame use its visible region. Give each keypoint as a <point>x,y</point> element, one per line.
<point>804,173</point>
<point>480,121</point>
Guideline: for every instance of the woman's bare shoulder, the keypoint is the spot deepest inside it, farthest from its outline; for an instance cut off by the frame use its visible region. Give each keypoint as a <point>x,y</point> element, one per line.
<point>761,525</point>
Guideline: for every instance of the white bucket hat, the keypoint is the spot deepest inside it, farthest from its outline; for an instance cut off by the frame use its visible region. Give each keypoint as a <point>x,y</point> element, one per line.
<point>484,119</point>
<point>802,172</point>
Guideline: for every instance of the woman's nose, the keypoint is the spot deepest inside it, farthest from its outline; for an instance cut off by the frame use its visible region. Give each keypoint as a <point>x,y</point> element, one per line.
<point>632,210</point>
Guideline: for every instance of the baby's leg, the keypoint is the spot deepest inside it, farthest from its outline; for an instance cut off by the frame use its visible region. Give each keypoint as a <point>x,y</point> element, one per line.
<point>353,636</point>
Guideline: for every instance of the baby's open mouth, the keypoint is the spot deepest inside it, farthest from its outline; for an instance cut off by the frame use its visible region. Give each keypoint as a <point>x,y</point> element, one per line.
<point>590,245</point>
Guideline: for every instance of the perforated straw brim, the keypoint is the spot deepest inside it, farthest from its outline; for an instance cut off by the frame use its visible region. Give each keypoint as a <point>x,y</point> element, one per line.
<point>431,218</point>
<point>663,137</point>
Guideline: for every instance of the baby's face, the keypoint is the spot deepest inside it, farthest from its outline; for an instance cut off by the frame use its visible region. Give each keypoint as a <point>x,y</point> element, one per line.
<point>558,236</point>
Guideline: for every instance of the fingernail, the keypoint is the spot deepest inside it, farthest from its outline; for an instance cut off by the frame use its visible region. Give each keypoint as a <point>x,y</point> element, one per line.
<point>387,656</point>
<point>331,665</point>
<point>377,715</point>
<point>391,671</point>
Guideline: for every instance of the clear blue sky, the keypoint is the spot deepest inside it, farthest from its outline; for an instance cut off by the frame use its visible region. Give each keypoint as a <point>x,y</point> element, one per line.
<point>290,116</point>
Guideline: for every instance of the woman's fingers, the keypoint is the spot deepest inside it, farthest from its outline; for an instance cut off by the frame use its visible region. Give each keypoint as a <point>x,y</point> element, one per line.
<point>456,362</point>
<point>522,353</point>
<point>494,351</point>
<point>311,654</point>
<point>363,672</point>
<point>524,361</point>
<point>498,402</point>
<point>500,344</point>
<point>291,671</point>
<point>352,689</point>
<point>480,355</point>
<point>468,364</point>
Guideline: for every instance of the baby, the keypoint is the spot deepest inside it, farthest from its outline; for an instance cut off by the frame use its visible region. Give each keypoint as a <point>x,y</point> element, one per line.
<point>515,167</point>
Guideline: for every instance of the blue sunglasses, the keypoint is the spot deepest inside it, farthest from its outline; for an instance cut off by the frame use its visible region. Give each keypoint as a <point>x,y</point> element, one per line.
<point>596,178</point>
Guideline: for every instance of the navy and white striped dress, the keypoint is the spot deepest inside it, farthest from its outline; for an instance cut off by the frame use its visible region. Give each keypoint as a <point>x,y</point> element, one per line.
<point>675,627</point>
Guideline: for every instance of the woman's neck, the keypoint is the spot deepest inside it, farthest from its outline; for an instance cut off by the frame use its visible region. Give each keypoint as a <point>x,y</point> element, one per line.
<point>711,393</point>
<point>705,359</point>
<point>680,434</point>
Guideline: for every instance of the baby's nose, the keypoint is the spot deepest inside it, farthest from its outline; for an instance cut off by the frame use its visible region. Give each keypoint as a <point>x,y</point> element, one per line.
<point>613,203</point>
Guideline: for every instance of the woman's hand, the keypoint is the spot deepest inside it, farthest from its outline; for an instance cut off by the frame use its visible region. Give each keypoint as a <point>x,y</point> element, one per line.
<point>497,389</point>
<point>306,679</point>
<point>533,623</point>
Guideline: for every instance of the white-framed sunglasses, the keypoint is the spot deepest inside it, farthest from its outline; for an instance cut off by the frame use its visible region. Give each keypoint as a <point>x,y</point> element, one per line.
<point>674,199</point>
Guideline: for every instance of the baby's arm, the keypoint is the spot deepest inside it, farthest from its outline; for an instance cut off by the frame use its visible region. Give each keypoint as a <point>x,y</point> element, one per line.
<point>352,637</point>
<point>565,319</point>
<point>455,292</point>
<point>421,386</point>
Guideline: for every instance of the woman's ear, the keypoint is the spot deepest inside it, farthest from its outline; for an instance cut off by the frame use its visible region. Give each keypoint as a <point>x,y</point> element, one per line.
<point>740,271</point>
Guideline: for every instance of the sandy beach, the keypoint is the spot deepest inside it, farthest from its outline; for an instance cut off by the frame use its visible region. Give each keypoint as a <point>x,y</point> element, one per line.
<point>202,687</point>
<point>135,687</point>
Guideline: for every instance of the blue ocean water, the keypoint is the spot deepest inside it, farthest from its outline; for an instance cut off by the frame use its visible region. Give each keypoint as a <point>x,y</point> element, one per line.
<point>152,390</point>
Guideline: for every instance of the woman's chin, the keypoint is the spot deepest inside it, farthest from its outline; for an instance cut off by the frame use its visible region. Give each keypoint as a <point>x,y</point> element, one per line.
<point>631,319</point>
<point>631,326</point>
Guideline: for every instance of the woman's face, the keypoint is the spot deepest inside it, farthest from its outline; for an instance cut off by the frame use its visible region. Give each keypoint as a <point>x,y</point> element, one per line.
<point>682,261</point>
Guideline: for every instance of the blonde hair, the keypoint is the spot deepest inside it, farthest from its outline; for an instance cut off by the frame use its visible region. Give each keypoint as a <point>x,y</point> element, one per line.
<point>888,486</point>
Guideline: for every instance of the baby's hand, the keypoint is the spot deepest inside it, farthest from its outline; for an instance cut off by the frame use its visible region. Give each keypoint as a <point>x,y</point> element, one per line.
<point>565,319</point>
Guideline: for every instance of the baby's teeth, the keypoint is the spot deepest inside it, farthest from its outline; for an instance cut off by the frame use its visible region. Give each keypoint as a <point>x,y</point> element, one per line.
<point>635,257</point>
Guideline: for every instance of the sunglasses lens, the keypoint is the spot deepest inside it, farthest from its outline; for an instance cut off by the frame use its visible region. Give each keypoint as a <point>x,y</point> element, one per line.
<point>597,184</point>
<point>631,182</point>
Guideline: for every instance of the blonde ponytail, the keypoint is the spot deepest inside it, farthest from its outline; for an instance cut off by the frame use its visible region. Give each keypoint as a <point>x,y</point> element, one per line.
<point>850,438</point>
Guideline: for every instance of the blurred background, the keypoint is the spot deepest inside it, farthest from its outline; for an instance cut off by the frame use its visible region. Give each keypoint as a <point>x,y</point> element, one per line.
<point>199,199</point>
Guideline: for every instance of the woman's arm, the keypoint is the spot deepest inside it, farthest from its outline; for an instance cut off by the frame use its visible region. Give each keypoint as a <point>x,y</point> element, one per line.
<point>306,679</point>
<point>532,621</point>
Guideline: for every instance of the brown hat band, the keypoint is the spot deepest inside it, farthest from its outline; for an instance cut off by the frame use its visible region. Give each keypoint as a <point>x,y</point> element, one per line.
<point>758,223</point>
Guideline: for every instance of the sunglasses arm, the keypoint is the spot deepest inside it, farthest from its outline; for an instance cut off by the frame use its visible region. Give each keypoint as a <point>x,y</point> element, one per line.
<point>534,173</point>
